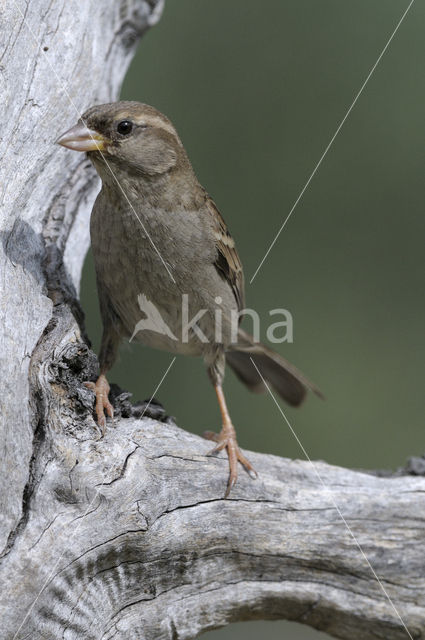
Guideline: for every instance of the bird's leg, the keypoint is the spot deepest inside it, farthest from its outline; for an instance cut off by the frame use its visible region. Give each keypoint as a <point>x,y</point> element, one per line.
<point>227,439</point>
<point>107,355</point>
<point>101,389</point>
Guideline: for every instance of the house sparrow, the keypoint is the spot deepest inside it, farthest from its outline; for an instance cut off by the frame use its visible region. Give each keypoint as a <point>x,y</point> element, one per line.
<point>157,239</point>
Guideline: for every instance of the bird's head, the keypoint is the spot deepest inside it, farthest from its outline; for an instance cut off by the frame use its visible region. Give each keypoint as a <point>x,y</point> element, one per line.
<point>129,136</point>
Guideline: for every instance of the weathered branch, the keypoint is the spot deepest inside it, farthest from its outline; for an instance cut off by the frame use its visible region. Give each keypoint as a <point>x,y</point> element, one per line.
<point>128,536</point>
<point>131,537</point>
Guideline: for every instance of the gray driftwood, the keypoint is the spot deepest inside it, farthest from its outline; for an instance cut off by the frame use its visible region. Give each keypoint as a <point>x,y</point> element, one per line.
<point>128,536</point>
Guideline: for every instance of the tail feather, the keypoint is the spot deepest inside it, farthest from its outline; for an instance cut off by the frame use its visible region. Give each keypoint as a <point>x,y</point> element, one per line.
<point>289,383</point>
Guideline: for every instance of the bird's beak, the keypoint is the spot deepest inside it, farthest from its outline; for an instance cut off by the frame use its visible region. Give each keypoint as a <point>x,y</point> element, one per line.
<point>81,138</point>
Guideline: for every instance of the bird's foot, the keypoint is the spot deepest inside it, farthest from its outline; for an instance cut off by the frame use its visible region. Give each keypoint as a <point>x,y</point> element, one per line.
<point>227,439</point>
<point>101,389</point>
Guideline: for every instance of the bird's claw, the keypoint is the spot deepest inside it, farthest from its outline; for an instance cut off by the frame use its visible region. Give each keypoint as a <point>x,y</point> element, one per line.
<point>227,439</point>
<point>101,390</point>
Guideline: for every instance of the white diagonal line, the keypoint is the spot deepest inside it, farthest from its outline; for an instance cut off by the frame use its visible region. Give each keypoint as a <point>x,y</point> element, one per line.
<point>328,490</point>
<point>71,538</point>
<point>331,142</point>
<point>101,153</point>
<point>157,387</point>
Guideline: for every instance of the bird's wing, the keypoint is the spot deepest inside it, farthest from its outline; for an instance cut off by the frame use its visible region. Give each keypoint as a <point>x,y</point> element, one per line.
<point>227,263</point>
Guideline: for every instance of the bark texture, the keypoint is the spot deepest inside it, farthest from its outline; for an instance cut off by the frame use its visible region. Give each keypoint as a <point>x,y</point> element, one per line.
<point>128,536</point>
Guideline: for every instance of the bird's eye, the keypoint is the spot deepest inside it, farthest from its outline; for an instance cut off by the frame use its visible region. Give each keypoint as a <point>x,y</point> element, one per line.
<point>125,127</point>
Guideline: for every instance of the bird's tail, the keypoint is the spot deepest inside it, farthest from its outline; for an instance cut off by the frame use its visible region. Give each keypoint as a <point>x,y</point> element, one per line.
<point>249,359</point>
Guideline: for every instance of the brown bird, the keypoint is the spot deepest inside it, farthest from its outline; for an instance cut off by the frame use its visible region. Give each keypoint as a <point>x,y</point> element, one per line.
<point>164,257</point>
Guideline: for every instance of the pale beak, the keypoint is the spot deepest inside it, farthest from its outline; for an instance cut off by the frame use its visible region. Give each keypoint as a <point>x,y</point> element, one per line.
<point>81,138</point>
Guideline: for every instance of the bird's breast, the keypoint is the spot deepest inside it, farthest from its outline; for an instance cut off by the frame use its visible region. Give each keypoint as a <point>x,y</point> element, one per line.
<point>157,269</point>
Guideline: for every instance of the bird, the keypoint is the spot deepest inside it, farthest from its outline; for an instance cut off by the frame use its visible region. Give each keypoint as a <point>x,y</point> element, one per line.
<point>160,243</point>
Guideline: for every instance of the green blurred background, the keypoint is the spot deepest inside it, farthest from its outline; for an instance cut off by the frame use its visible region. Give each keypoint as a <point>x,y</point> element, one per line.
<point>256,91</point>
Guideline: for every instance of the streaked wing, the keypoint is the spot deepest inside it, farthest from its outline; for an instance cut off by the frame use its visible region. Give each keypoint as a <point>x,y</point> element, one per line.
<point>227,263</point>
